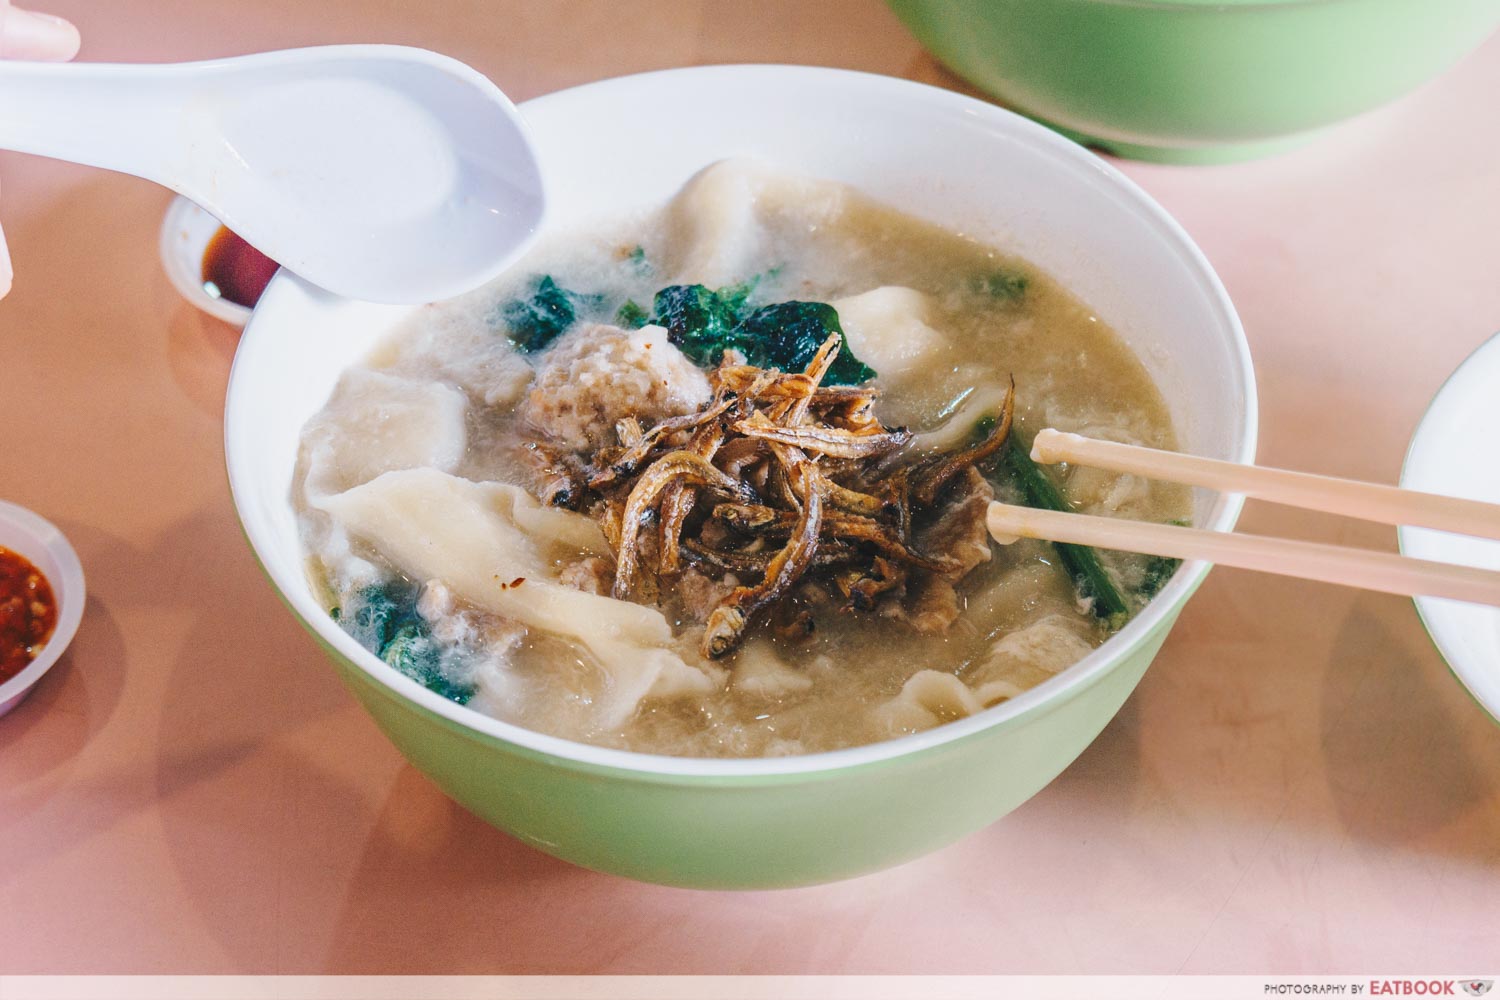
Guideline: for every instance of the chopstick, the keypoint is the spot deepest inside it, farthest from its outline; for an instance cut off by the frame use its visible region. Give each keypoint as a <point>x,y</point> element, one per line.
<point>1365,501</point>
<point>1380,571</point>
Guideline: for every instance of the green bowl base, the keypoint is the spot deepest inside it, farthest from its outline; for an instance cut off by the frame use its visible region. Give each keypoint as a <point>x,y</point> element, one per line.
<point>1186,155</point>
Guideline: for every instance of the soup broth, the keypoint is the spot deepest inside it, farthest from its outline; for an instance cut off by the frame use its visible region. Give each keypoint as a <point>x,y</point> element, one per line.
<point>441,539</point>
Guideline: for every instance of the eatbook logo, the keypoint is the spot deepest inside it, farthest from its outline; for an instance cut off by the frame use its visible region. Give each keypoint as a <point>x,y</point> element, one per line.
<point>1477,987</point>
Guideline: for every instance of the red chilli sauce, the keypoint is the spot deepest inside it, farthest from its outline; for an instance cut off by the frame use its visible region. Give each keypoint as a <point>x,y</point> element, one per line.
<point>28,613</point>
<point>234,270</point>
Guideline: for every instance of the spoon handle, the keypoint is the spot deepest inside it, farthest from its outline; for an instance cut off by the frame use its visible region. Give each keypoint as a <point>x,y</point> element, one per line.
<point>378,172</point>
<point>120,117</point>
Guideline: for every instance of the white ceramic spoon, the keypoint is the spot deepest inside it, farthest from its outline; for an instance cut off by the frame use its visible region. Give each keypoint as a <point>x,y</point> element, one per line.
<point>378,172</point>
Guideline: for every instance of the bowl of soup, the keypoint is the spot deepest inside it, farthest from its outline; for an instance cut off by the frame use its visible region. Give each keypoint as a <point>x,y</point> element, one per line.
<point>665,551</point>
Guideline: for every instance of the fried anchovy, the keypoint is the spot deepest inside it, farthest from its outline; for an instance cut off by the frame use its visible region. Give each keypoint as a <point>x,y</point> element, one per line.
<point>828,352</point>
<point>634,454</point>
<point>747,380</point>
<point>853,415</point>
<point>738,455</point>
<point>830,553</point>
<point>629,432</point>
<point>776,477</point>
<point>757,519</point>
<point>898,489</point>
<point>842,395</point>
<point>562,476</point>
<point>751,518</point>
<point>742,379</point>
<point>677,503</point>
<point>865,589</point>
<point>829,441</point>
<point>611,515</point>
<point>728,621</point>
<point>799,627</point>
<point>853,501</point>
<point>936,479</point>
<point>674,467</point>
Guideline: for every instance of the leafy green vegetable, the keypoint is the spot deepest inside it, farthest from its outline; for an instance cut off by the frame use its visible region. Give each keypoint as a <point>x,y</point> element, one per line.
<point>1081,561</point>
<point>631,315</point>
<point>413,652</point>
<point>545,313</point>
<point>788,334</point>
<point>385,621</point>
<point>737,297</point>
<point>1004,285</point>
<point>983,428</point>
<point>408,648</point>
<point>637,259</point>
<point>1159,570</point>
<point>376,611</point>
<point>699,320</point>
<point>704,323</point>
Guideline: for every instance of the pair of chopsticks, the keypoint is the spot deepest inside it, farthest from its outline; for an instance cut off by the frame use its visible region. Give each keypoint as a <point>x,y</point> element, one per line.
<point>1380,571</point>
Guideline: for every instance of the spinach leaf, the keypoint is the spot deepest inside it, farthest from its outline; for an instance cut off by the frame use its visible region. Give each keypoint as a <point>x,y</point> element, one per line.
<point>1090,578</point>
<point>385,621</point>
<point>1003,285</point>
<point>545,313</point>
<point>376,610</point>
<point>636,258</point>
<point>787,336</point>
<point>631,316</point>
<point>699,320</point>
<point>414,653</point>
<point>704,323</point>
<point>1159,570</point>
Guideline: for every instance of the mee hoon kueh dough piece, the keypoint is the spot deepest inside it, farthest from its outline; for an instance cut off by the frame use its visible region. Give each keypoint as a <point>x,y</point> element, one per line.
<point>928,698</point>
<point>716,226</point>
<point>1018,662</point>
<point>561,534</point>
<point>758,671</point>
<point>887,330</point>
<point>954,432</point>
<point>1098,491</point>
<point>434,526</point>
<point>1024,658</point>
<point>454,339</point>
<point>376,423</point>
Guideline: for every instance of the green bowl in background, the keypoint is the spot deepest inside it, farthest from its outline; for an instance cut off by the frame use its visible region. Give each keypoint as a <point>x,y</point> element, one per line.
<point>781,821</point>
<point>1197,81</point>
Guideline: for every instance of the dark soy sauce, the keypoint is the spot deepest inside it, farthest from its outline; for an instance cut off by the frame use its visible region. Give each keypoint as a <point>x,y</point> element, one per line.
<point>235,270</point>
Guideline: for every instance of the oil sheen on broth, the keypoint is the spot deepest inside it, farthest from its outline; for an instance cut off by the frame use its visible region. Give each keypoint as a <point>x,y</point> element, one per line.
<point>416,489</point>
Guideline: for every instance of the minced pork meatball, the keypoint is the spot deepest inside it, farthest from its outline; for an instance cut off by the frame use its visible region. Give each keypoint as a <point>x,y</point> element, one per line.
<point>597,374</point>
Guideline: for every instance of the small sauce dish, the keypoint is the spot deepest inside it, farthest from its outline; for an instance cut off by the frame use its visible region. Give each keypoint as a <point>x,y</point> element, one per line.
<point>191,242</point>
<point>38,541</point>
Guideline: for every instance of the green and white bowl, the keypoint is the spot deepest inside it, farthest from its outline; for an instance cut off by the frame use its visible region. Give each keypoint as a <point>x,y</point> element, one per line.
<point>625,145</point>
<point>1197,81</point>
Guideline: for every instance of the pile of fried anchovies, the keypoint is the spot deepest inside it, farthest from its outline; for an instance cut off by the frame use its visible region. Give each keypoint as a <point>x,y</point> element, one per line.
<point>777,479</point>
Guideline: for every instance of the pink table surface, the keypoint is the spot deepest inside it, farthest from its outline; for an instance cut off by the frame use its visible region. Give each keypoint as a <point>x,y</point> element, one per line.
<point>1298,784</point>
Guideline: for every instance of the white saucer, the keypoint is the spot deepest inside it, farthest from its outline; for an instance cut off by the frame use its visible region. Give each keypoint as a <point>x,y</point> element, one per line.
<point>1454,453</point>
<point>39,541</point>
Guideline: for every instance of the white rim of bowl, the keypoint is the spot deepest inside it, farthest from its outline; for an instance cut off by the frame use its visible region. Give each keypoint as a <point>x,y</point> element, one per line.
<point>1403,534</point>
<point>69,592</point>
<point>182,259</point>
<point>1222,515</point>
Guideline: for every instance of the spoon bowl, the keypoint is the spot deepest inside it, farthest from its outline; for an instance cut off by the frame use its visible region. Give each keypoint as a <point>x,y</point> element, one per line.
<point>376,172</point>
